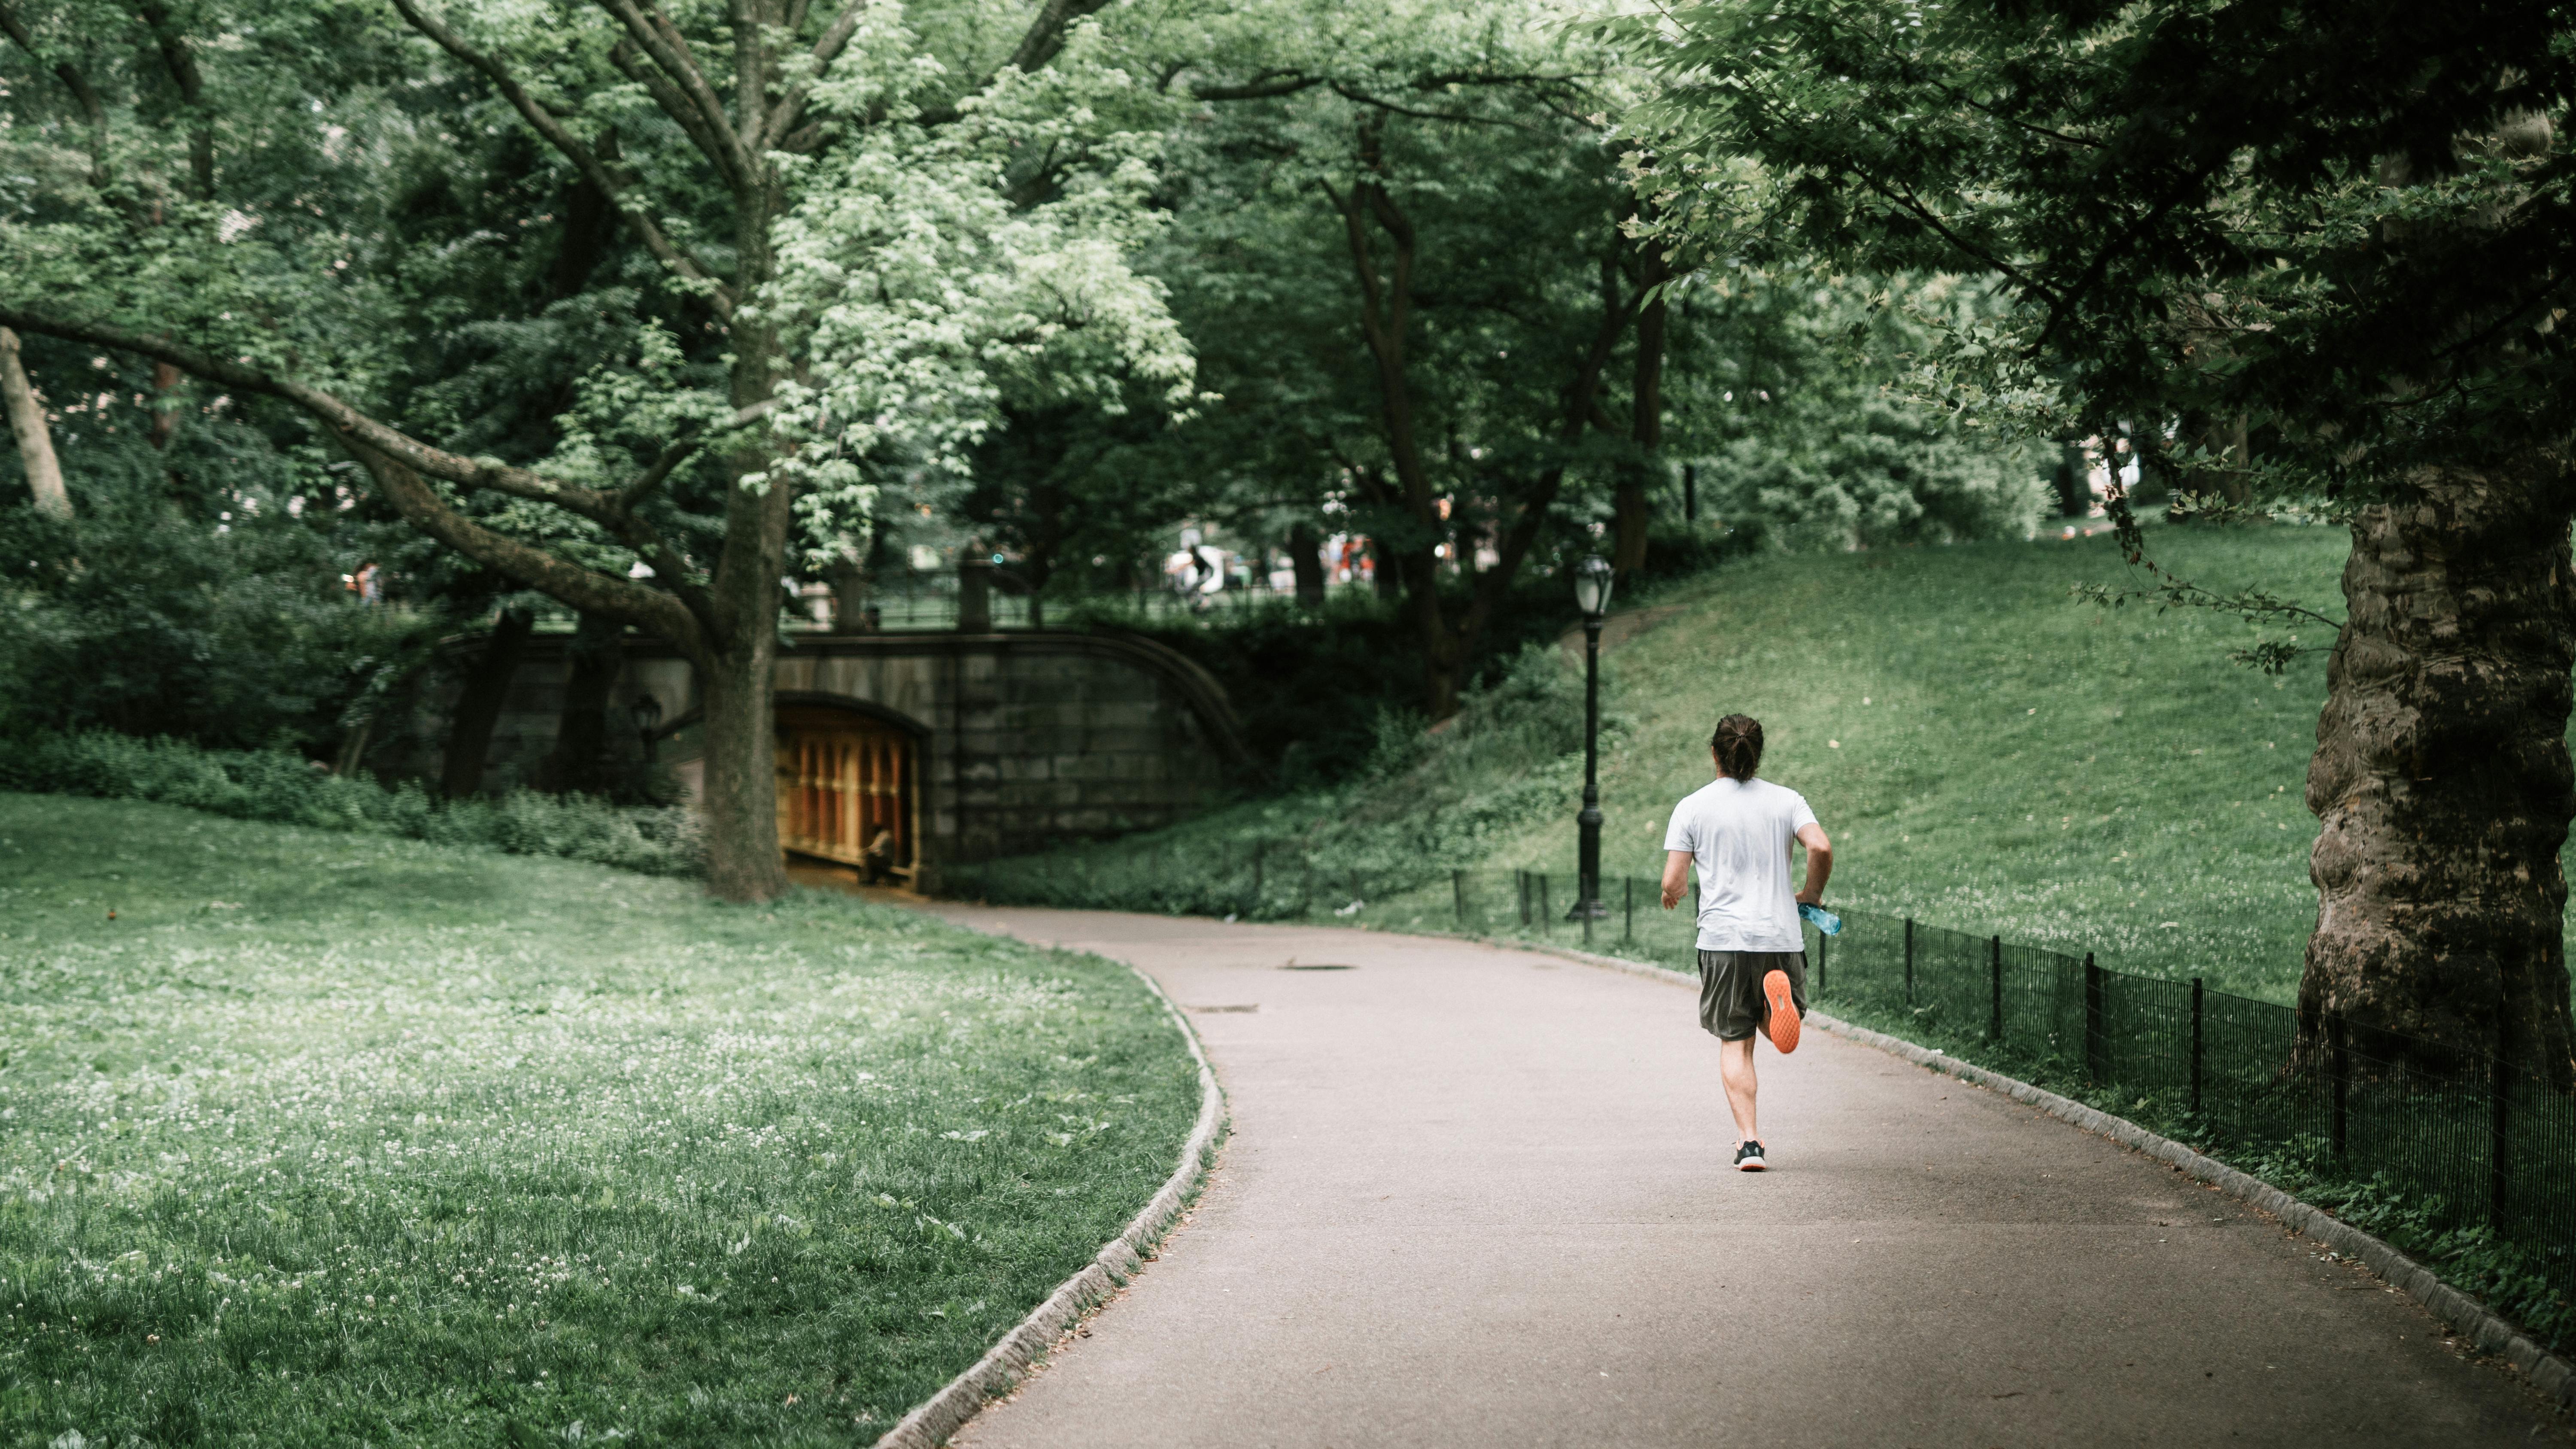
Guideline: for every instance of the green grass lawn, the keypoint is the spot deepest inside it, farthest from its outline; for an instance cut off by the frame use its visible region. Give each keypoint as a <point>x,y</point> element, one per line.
<point>1989,755</point>
<point>312,1138</point>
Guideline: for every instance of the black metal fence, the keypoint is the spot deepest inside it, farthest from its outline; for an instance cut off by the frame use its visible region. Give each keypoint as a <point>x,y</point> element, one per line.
<point>2478,1142</point>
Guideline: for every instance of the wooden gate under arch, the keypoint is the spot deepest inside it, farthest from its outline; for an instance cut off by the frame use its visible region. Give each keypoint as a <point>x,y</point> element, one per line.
<point>842,778</point>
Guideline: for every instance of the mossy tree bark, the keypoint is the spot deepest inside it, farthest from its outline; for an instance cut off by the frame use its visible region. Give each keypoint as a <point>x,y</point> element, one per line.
<point>2442,777</point>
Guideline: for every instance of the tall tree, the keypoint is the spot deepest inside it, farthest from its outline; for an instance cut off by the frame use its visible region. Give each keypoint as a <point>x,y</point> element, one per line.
<point>883,217</point>
<point>1402,236</point>
<point>2348,225</point>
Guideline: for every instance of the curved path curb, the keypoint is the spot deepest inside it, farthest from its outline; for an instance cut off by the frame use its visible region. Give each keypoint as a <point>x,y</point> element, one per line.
<point>2488,1331</point>
<point>1002,1366</point>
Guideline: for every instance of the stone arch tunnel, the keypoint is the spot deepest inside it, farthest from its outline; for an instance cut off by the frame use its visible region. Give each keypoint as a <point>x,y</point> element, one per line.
<point>960,746</point>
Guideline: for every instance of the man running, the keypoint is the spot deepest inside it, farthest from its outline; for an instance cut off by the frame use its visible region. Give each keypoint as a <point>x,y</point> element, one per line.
<point>1752,957</point>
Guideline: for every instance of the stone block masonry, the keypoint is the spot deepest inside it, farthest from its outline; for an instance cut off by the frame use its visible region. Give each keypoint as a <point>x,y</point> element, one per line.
<point>1022,739</point>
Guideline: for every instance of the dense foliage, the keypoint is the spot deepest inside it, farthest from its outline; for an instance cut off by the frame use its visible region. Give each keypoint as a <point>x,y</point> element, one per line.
<point>844,236</point>
<point>599,310</point>
<point>199,589</point>
<point>1810,433</point>
<point>285,788</point>
<point>1401,243</point>
<point>2342,225</point>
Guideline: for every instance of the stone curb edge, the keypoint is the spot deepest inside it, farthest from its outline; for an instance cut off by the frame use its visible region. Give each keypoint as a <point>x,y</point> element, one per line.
<point>1002,1366</point>
<point>2488,1331</point>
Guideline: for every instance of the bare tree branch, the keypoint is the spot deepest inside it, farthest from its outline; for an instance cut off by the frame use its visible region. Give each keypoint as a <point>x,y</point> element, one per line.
<point>588,590</point>
<point>1372,293</point>
<point>1045,35</point>
<point>1357,96</point>
<point>750,71</point>
<point>1267,84</point>
<point>629,59</point>
<point>680,451</point>
<point>1924,214</point>
<point>776,134</point>
<point>1044,39</point>
<point>368,437</point>
<point>670,51</point>
<point>1258,88</point>
<point>581,156</point>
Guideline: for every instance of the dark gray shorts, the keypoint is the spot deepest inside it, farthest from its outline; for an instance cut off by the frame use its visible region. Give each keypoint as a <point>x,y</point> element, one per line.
<point>1730,988</point>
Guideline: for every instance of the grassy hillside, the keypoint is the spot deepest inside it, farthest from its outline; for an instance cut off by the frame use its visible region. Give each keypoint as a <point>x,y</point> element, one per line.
<point>1993,756</point>
<point>1988,753</point>
<point>318,1138</point>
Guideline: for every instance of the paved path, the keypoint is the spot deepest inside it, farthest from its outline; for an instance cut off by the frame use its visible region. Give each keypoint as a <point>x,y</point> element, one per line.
<point>1481,1197</point>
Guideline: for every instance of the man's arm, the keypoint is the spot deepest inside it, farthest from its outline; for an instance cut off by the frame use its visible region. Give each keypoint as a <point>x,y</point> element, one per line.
<point>1676,876</point>
<point>1820,862</point>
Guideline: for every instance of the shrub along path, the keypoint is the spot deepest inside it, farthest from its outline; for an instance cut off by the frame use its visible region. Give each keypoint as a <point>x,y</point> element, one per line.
<point>1476,1196</point>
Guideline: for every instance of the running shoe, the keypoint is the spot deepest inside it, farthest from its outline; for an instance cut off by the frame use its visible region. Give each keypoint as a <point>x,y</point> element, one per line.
<point>1783,1022</point>
<point>1748,1158</point>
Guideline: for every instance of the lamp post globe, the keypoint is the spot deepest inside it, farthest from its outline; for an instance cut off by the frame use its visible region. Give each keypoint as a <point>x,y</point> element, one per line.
<point>1592,581</point>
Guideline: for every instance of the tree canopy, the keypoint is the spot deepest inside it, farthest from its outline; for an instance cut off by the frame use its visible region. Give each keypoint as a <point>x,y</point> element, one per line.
<point>646,306</point>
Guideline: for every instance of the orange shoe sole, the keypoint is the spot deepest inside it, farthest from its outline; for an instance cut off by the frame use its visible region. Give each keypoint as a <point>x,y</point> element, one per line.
<point>1783,1022</point>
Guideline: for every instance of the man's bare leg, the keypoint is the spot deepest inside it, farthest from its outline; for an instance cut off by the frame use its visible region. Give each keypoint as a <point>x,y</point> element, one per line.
<point>1735,1066</point>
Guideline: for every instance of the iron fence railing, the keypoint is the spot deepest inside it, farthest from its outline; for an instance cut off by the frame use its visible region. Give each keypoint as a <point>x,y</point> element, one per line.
<point>2478,1141</point>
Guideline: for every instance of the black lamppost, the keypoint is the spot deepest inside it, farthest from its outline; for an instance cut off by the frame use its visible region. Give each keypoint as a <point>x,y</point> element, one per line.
<point>1592,579</point>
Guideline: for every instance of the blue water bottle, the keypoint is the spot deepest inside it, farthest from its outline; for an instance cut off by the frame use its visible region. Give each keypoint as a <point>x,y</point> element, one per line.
<point>1826,921</point>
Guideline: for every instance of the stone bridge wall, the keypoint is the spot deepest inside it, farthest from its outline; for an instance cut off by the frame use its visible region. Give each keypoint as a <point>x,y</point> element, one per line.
<point>1025,737</point>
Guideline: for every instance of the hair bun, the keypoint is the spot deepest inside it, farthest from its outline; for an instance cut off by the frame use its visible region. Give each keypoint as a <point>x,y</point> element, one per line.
<point>1738,743</point>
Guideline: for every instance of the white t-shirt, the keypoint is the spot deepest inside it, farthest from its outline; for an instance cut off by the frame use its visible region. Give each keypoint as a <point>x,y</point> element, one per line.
<point>1738,834</point>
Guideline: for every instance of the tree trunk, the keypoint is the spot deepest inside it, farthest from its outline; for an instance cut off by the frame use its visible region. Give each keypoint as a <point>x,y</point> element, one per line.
<point>2442,777</point>
<point>1306,559</point>
<point>1628,519</point>
<point>35,440</point>
<point>741,800</point>
<point>165,403</point>
<point>1630,513</point>
<point>1386,571</point>
<point>2073,482</point>
<point>739,674</point>
<point>478,705</point>
<point>578,762</point>
<point>1444,651</point>
<point>2231,439</point>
